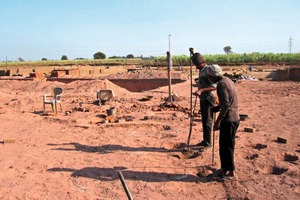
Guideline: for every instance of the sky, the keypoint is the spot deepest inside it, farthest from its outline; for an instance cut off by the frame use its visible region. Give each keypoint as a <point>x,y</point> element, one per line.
<point>36,29</point>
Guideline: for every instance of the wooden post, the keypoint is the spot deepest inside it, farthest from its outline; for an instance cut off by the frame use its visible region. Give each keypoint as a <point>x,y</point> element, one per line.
<point>124,185</point>
<point>169,75</point>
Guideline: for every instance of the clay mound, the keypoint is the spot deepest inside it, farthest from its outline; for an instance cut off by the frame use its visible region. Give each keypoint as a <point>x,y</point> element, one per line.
<point>28,86</point>
<point>91,87</point>
<point>76,87</point>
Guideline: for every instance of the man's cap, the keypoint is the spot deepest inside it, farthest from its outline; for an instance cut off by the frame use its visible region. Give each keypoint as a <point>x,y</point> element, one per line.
<point>197,58</point>
<point>214,70</point>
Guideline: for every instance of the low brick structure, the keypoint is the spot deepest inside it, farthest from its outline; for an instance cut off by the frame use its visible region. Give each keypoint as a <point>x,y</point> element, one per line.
<point>140,85</point>
<point>291,74</point>
<point>295,74</point>
<point>65,73</point>
<point>35,75</point>
<point>4,72</point>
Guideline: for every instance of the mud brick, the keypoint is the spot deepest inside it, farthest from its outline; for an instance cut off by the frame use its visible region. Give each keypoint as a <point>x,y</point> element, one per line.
<point>116,120</point>
<point>102,121</point>
<point>110,118</point>
<point>129,118</point>
<point>247,129</point>
<point>281,140</point>
<point>8,141</point>
<point>122,120</point>
<point>81,109</point>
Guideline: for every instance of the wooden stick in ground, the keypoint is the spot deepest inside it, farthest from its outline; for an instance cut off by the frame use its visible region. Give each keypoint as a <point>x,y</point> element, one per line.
<point>169,76</point>
<point>124,185</point>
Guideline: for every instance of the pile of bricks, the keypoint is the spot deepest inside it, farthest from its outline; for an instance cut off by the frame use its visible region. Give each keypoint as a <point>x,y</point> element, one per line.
<point>170,106</point>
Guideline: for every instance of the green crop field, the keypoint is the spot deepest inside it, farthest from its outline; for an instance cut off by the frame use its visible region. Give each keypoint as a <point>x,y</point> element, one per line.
<point>183,60</point>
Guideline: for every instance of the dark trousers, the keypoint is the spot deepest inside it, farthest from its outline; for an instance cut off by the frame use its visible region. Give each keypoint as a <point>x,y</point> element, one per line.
<point>226,144</point>
<point>207,120</point>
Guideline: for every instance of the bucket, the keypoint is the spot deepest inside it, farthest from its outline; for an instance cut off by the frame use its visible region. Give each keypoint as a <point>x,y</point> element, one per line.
<point>111,111</point>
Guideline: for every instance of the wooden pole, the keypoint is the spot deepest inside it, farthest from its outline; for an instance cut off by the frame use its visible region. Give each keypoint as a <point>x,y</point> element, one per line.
<point>124,185</point>
<point>169,75</point>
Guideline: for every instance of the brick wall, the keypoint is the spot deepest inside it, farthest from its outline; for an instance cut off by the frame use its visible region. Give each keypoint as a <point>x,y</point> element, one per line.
<point>292,74</point>
<point>295,74</point>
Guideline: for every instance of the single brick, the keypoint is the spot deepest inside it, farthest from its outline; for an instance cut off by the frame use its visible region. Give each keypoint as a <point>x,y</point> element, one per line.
<point>247,129</point>
<point>281,140</point>
<point>8,141</point>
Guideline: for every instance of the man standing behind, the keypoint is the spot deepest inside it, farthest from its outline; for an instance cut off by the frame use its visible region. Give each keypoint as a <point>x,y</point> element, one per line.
<point>207,99</point>
<point>227,121</point>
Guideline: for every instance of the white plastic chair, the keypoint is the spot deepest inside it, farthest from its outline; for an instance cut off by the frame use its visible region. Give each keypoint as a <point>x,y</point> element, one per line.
<point>105,95</point>
<point>53,98</point>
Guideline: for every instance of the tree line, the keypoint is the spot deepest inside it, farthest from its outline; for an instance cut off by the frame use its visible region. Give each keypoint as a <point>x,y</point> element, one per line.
<point>98,55</point>
<point>229,58</point>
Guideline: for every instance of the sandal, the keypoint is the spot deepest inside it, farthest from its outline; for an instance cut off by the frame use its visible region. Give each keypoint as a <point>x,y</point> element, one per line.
<point>219,173</point>
<point>231,178</point>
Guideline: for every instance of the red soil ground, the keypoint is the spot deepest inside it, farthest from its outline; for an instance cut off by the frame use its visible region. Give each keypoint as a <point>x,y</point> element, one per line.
<point>75,156</point>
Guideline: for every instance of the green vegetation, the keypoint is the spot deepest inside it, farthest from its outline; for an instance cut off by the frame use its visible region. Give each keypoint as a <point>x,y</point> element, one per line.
<point>64,57</point>
<point>254,58</point>
<point>99,55</point>
<point>227,50</point>
<point>130,56</point>
<point>183,60</point>
<point>240,59</point>
<point>80,62</point>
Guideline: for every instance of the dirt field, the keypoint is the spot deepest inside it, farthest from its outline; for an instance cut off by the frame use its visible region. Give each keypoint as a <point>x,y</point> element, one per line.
<point>74,155</point>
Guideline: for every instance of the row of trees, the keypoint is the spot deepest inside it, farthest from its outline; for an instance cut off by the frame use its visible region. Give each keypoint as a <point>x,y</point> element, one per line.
<point>229,58</point>
<point>101,55</point>
<point>98,55</point>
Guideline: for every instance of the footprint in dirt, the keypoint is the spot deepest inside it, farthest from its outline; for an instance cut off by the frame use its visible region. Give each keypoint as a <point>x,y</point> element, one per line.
<point>188,153</point>
<point>252,157</point>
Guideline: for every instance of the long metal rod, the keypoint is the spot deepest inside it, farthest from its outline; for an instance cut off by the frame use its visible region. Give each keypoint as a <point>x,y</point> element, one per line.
<point>191,100</point>
<point>191,82</point>
<point>124,185</point>
<point>191,122</point>
<point>213,146</point>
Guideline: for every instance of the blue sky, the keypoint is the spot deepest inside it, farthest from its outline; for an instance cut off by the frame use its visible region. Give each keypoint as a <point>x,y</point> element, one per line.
<point>36,29</point>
